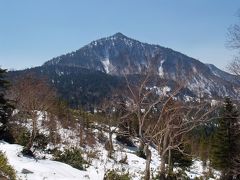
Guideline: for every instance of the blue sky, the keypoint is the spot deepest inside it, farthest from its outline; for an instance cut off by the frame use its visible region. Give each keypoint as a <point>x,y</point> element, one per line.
<point>32,32</point>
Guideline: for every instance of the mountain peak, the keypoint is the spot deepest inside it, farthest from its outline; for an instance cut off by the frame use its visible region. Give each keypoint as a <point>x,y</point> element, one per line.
<point>120,35</point>
<point>118,54</point>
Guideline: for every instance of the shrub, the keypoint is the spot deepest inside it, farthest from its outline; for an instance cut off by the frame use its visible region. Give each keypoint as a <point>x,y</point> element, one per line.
<point>21,135</point>
<point>113,175</point>
<point>41,141</point>
<point>141,154</point>
<point>5,169</point>
<point>23,138</point>
<point>92,154</point>
<point>27,152</point>
<point>126,140</point>
<point>90,139</point>
<point>171,176</point>
<point>181,174</point>
<point>72,157</point>
<point>101,137</point>
<point>124,160</point>
<point>181,160</point>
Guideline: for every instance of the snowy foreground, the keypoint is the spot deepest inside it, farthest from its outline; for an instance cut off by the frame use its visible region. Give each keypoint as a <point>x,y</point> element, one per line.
<point>53,170</point>
<point>42,169</point>
<point>96,156</point>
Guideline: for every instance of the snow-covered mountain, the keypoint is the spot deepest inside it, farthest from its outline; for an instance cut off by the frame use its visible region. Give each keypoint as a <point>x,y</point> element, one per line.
<point>224,75</point>
<point>120,54</point>
<point>112,55</point>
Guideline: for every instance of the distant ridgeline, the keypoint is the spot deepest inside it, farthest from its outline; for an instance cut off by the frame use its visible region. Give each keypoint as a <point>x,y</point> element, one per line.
<point>84,77</point>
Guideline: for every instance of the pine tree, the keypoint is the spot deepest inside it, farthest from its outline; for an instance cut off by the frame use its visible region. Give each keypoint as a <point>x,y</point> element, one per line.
<point>5,108</point>
<point>226,145</point>
<point>183,161</point>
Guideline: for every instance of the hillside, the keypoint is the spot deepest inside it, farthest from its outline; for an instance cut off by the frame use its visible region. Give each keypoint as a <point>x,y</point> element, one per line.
<point>77,86</point>
<point>44,167</point>
<point>119,54</point>
<point>84,77</point>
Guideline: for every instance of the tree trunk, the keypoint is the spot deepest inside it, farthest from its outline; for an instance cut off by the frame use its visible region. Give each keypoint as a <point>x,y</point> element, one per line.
<point>81,135</point>
<point>162,168</point>
<point>110,151</point>
<point>33,134</point>
<point>141,145</point>
<point>170,165</point>
<point>148,162</point>
<point>163,153</point>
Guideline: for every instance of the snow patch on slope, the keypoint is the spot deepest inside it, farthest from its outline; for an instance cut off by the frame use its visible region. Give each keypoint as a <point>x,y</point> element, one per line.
<point>194,70</point>
<point>161,91</point>
<point>160,69</point>
<point>106,65</point>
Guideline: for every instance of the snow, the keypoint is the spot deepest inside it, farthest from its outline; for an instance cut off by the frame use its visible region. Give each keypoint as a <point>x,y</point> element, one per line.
<point>188,98</point>
<point>98,164</point>
<point>106,65</point>
<point>161,91</point>
<point>214,102</point>
<point>194,70</point>
<point>160,69</point>
<point>201,84</point>
<point>166,89</point>
<point>42,169</point>
<point>59,73</point>
<point>53,170</point>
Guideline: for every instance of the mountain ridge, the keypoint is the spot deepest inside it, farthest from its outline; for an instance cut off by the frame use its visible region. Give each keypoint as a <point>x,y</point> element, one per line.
<point>85,76</point>
<point>119,55</point>
<point>119,35</point>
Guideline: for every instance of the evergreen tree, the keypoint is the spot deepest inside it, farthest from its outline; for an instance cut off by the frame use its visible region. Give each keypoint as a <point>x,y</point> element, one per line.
<point>179,159</point>
<point>226,146</point>
<point>5,108</point>
<point>183,161</point>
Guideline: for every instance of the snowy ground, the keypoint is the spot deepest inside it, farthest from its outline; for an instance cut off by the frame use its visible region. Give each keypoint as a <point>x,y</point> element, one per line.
<point>42,169</point>
<point>48,169</point>
<point>52,170</point>
<point>99,164</point>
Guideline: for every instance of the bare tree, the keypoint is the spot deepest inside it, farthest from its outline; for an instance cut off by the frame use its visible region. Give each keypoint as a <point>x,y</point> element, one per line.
<point>162,119</point>
<point>31,96</point>
<point>143,101</point>
<point>114,115</point>
<point>234,66</point>
<point>233,42</point>
<point>233,35</point>
<point>108,110</point>
<point>174,121</point>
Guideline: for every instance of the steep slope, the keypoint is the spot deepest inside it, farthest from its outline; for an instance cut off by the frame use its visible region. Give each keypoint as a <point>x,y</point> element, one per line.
<point>119,54</point>
<point>224,75</point>
<point>111,55</point>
